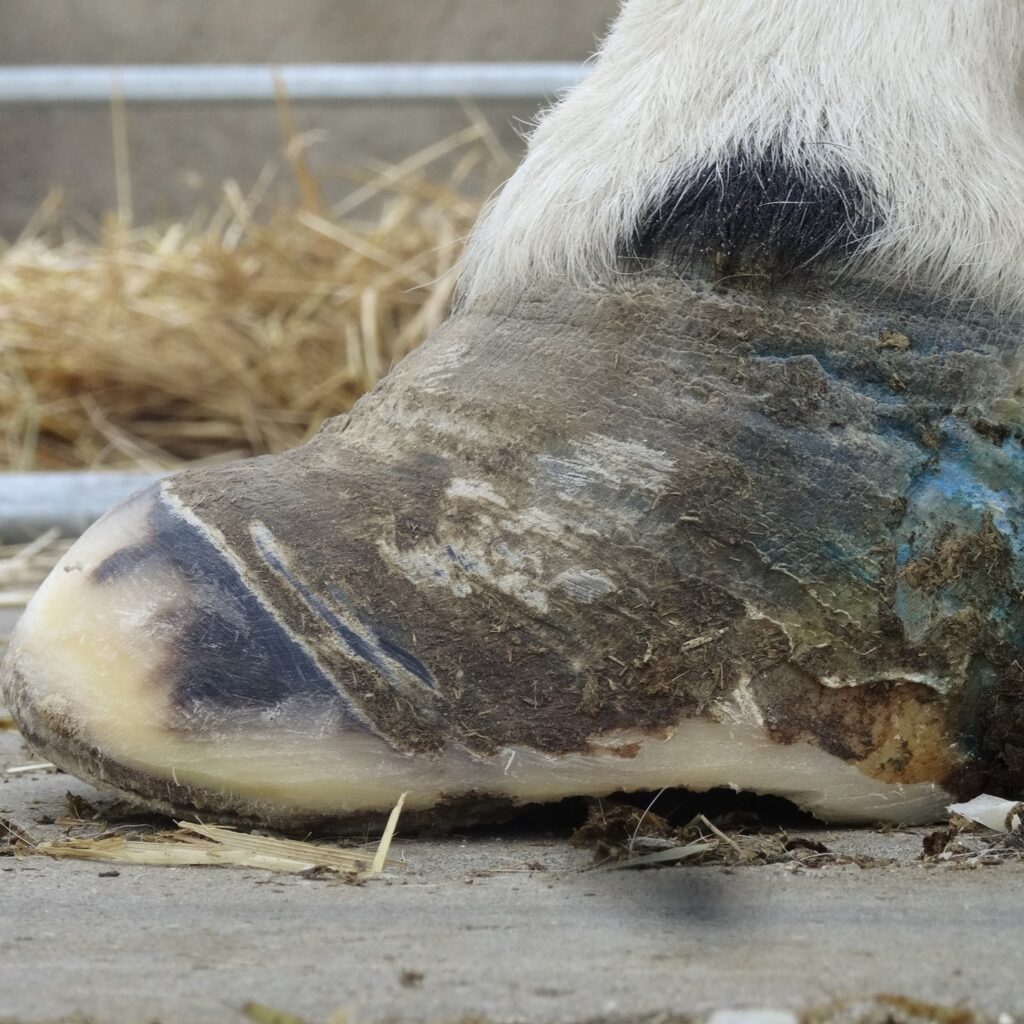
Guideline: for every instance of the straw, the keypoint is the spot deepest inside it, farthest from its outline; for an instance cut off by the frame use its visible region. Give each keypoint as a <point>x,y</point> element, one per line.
<point>230,334</point>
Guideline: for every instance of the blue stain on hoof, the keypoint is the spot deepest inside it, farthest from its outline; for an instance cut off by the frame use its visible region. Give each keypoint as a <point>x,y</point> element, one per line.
<point>959,549</point>
<point>853,561</point>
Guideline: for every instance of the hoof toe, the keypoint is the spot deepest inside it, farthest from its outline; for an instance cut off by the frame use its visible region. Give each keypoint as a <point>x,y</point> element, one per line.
<point>147,662</point>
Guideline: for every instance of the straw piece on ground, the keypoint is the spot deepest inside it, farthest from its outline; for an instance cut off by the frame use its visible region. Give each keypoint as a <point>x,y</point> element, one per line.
<point>217,845</point>
<point>35,766</point>
<point>672,855</point>
<point>380,858</point>
<point>176,851</point>
<point>311,854</point>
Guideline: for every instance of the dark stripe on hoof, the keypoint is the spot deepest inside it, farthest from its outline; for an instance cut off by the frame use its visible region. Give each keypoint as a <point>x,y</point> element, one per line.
<point>229,653</point>
<point>129,560</point>
<point>359,635</point>
<point>758,213</point>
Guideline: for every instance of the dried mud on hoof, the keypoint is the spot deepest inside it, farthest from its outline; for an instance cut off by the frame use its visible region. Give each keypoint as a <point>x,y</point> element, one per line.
<point>572,546</point>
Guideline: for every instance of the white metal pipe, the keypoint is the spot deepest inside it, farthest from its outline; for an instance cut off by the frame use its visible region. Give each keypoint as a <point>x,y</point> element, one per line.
<point>217,83</point>
<point>32,503</point>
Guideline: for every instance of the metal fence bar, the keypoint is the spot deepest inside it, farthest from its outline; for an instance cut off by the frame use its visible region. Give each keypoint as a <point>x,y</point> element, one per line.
<point>32,503</point>
<point>219,83</point>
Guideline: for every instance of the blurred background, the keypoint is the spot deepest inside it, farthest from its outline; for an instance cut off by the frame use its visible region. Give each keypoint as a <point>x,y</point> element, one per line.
<point>179,149</point>
<point>200,281</point>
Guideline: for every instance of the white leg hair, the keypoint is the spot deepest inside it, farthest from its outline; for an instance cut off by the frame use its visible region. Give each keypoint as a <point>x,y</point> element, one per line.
<point>919,100</point>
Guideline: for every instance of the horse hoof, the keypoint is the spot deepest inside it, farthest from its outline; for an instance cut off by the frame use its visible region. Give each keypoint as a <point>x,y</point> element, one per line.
<point>699,567</point>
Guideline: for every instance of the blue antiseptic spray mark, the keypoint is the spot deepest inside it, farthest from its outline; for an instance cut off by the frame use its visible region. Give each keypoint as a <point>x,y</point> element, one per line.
<point>970,480</point>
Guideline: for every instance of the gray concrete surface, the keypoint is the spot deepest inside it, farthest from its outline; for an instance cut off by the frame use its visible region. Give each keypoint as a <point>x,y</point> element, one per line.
<point>179,154</point>
<point>504,928</point>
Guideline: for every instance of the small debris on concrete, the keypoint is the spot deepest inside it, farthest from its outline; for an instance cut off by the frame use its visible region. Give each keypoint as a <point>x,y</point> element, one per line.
<point>890,1009</point>
<point>79,810</point>
<point>626,836</point>
<point>993,812</point>
<point>752,1017</point>
<point>893,340</point>
<point>880,1009</point>
<point>13,838</point>
<point>260,1014</point>
<point>984,831</point>
<point>615,831</point>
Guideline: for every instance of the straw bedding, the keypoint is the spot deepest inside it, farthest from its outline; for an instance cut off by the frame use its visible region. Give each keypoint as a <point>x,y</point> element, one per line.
<point>232,334</point>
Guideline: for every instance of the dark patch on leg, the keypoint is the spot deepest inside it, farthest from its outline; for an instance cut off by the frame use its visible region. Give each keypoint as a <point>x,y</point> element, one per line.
<point>758,213</point>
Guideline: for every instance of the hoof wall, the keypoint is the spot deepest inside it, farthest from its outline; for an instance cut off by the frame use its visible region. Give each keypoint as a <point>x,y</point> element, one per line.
<point>149,663</point>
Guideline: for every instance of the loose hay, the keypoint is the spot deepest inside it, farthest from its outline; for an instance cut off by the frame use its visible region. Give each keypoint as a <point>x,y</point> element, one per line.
<point>215,845</point>
<point>231,334</point>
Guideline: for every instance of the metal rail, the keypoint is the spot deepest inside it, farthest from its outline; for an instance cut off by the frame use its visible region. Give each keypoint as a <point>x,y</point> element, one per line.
<point>32,503</point>
<point>221,83</point>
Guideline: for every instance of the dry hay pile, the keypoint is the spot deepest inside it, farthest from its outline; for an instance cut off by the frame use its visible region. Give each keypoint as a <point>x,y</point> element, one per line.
<point>231,336</point>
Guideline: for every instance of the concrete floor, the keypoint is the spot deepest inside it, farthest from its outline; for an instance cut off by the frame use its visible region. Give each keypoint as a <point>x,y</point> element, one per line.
<point>505,928</point>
